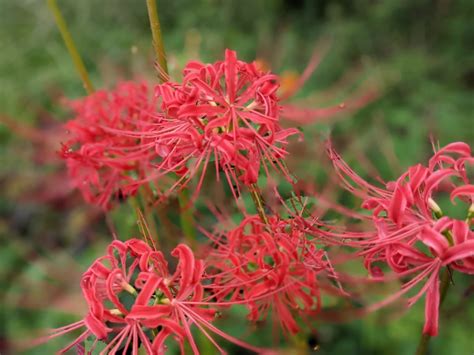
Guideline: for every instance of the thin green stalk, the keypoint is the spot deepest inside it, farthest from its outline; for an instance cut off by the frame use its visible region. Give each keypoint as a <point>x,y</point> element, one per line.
<point>69,42</point>
<point>186,218</point>
<point>147,196</point>
<point>186,211</point>
<point>258,202</point>
<point>422,348</point>
<point>145,220</point>
<point>157,39</point>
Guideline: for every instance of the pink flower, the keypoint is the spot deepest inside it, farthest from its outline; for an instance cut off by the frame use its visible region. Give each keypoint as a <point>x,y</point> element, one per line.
<point>226,112</point>
<point>404,206</point>
<point>104,154</point>
<point>409,261</point>
<point>271,269</point>
<point>405,216</point>
<point>134,301</point>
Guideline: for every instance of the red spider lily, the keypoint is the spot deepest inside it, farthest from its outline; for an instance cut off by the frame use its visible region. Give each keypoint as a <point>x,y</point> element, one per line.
<point>455,251</point>
<point>104,162</point>
<point>133,300</point>
<point>407,204</point>
<point>405,216</point>
<point>226,112</point>
<point>269,268</point>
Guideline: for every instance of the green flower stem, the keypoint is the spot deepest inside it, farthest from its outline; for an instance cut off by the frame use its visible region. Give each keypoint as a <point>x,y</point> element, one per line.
<point>186,218</point>
<point>147,197</point>
<point>69,42</point>
<point>146,223</point>
<point>157,40</point>
<point>258,202</point>
<point>186,211</point>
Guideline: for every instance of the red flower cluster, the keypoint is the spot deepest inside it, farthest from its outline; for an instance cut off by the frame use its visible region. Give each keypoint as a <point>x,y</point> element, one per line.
<point>134,301</point>
<point>226,112</point>
<point>269,268</point>
<point>408,220</point>
<point>105,161</point>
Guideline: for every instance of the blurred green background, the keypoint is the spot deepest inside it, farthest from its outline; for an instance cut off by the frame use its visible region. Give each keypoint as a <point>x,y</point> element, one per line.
<point>419,54</point>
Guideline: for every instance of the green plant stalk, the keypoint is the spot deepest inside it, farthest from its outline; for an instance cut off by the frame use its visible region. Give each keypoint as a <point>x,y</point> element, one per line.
<point>258,202</point>
<point>147,196</point>
<point>146,224</point>
<point>69,42</point>
<point>186,211</point>
<point>157,40</point>
<point>186,218</point>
